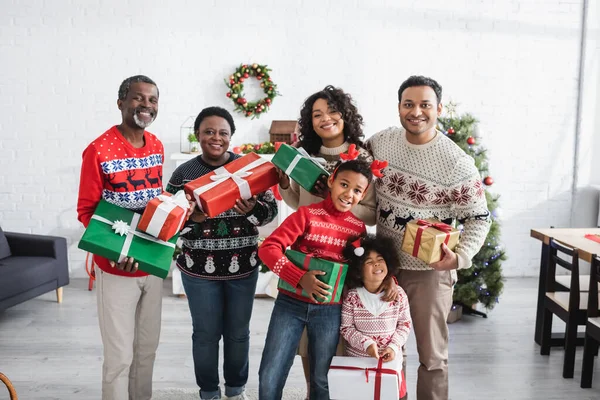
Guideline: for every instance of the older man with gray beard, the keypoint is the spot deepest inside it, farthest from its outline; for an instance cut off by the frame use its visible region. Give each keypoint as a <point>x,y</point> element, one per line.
<point>124,167</point>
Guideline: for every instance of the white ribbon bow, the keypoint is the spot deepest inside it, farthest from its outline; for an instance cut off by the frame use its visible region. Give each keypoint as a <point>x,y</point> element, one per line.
<point>303,154</point>
<point>221,175</point>
<point>316,160</point>
<point>120,227</point>
<point>178,199</point>
<point>167,205</point>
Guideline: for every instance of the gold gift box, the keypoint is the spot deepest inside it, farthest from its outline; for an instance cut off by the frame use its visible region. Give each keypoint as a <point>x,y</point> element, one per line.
<point>432,237</point>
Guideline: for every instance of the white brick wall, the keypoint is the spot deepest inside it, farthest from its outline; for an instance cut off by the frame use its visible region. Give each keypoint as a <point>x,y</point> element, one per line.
<point>511,63</point>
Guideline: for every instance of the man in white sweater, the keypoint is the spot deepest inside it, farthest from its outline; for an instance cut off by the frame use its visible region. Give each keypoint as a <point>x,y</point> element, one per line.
<point>428,176</point>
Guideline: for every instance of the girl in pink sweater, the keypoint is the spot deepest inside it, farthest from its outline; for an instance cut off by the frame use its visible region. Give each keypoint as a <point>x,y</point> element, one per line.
<point>371,326</point>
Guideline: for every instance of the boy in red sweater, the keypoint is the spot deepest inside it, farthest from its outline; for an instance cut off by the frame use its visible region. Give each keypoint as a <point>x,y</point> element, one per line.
<point>124,167</point>
<point>321,229</point>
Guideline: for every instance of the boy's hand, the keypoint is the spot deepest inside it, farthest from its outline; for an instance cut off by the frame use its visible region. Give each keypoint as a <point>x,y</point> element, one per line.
<point>313,286</point>
<point>284,180</point>
<point>321,189</point>
<point>390,289</point>
<point>373,351</point>
<point>388,354</point>
<point>128,265</point>
<point>244,206</point>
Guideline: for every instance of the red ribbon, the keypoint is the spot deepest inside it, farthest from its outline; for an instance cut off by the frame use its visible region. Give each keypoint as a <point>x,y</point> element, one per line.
<point>440,226</point>
<point>595,238</point>
<point>306,265</point>
<point>337,283</point>
<point>379,370</point>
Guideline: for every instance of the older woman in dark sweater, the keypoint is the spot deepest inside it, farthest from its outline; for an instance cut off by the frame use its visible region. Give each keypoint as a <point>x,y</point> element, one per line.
<point>219,264</point>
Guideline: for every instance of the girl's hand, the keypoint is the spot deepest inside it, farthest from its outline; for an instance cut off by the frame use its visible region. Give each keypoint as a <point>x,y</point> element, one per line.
<point>313,286</point>
<point>321,189</point>
<point>284,180</point>
<point>388,354</point>
<point>373,351</point>
<point>244,206</point>
<point>390,289</point>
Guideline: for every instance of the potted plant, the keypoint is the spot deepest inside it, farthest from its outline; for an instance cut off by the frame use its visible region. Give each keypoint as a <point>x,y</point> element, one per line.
<point>194,145</point>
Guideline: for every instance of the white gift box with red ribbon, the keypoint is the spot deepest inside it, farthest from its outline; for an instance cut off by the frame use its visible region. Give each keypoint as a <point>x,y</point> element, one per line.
<point>362,378</point>
<point>165,215</point>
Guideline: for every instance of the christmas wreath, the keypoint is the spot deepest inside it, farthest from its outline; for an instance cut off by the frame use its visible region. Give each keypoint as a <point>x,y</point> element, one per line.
<point>236,89</point>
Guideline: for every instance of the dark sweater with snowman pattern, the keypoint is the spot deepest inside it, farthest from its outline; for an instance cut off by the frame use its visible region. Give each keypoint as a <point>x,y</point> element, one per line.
<point>225,246</point>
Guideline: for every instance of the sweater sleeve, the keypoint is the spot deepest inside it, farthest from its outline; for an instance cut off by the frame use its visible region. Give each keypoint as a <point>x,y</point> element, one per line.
<point>365,210</point>
<point>291,195</point>
<point>91,183</point>
<point>175,184</point>
<point>470,208</point>
<point>265,209</point>
<point>404,323</point>
<point>272,251</point>
<point>161,149</point>
<point>353,336</point>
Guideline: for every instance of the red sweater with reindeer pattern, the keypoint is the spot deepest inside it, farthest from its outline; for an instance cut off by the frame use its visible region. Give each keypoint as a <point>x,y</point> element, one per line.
<point>114,170</point>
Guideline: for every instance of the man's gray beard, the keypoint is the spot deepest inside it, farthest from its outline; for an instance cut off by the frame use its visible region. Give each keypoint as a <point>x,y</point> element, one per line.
<point>142,124</point>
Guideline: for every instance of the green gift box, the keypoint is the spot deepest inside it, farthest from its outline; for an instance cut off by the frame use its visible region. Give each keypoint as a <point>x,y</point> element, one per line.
<point>112,233</point>
<point>335,275</point>
<point>299,165</point>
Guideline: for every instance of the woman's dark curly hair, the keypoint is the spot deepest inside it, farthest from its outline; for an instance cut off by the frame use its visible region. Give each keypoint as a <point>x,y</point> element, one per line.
<point>383,246</point>
<point>339,101</point>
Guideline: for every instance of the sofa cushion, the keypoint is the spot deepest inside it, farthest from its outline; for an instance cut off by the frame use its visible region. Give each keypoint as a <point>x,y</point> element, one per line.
<point>4,249</point>
<point>20,274</point>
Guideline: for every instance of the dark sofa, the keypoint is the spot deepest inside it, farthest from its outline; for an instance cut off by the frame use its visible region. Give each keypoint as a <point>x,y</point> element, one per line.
<point>31,265</point>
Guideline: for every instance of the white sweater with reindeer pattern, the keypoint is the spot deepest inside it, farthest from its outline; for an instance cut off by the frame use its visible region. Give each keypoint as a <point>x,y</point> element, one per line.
<point>434,180</point>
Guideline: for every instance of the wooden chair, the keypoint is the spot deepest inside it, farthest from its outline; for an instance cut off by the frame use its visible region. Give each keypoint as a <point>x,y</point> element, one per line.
<point>592,327</point>
<point>11,389</point>
<point>571,306</point>
<point>562,284</point>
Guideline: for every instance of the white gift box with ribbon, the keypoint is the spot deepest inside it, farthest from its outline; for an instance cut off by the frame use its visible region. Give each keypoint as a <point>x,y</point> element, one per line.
<point>362,378</point>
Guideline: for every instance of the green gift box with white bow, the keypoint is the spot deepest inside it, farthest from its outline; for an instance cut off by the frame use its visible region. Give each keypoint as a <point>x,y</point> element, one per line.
<point>300,166</point>
<point>112,233</point>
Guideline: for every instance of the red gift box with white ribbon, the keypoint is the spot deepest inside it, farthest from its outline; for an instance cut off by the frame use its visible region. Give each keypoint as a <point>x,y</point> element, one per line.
<point>165,215</point>
<point>218,191</point>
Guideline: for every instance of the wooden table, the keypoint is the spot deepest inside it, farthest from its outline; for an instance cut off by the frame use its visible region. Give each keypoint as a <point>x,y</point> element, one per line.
<point>572,237</point>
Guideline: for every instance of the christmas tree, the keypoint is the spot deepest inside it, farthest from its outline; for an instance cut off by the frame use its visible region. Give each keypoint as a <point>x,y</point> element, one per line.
<point>222,229</point>
<point>483,282</point>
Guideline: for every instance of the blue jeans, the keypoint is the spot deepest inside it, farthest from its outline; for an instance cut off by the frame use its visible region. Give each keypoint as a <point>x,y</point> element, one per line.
<point>288,320</point>
<point>220,308</point>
